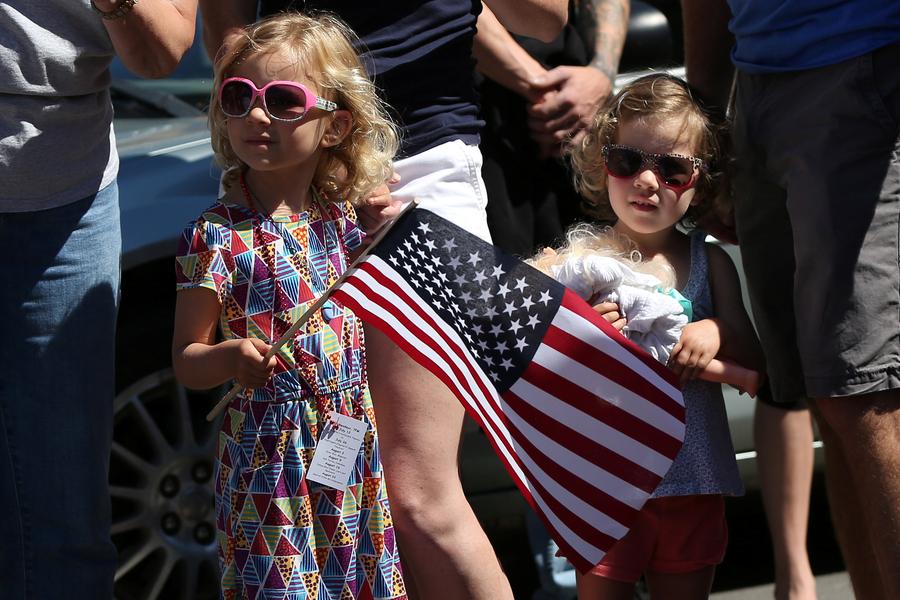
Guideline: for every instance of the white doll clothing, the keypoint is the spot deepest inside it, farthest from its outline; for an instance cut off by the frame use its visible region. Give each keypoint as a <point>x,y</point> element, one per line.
<point>655,320</point>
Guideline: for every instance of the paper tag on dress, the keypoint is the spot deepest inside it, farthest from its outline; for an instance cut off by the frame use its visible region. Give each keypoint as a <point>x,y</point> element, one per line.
<point>337,451</point>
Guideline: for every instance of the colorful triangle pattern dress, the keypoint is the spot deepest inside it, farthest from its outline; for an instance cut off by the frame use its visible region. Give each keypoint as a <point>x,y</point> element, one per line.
<point>279,535</point>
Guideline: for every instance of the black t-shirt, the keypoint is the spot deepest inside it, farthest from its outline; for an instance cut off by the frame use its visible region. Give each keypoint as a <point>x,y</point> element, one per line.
<point>419,54</point>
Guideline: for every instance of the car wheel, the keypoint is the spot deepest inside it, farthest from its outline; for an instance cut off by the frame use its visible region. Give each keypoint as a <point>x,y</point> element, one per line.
<point>161,487</point>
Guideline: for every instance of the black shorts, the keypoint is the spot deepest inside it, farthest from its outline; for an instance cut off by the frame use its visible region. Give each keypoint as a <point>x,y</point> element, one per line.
<point>817,205</point>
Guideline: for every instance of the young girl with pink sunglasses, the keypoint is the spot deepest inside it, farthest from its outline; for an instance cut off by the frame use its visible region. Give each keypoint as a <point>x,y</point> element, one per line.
<point>302,136</point>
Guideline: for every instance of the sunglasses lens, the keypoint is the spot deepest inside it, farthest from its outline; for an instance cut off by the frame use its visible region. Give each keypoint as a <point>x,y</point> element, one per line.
<point>623,162</point>
<point>675,171</point>
<point>285,102</point>
<point>236,98</point>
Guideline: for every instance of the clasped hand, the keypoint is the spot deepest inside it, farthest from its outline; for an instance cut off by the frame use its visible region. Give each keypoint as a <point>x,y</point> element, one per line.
<point>568,97</point>
<point>379,207</point>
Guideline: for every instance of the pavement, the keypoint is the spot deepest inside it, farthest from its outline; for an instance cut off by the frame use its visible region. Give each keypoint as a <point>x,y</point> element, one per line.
<point>834,586</point>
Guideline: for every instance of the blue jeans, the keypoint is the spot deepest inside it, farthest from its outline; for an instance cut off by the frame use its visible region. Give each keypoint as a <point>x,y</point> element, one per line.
<point>59,272</point>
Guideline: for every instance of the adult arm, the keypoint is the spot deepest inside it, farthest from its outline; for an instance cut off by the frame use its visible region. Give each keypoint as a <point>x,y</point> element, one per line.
<point>573,94</point>
<point>541,19</point>
<point>500,58</point>
<point>151,38</point>
<point>707,49</point>
<point>223,18</point>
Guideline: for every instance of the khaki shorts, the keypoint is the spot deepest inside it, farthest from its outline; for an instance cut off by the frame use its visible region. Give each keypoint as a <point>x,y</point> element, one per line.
<point>817,205</point>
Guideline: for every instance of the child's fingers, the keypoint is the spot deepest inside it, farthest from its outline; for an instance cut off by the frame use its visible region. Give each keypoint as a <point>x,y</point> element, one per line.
<point>395,178</point>
<point>260,346</point>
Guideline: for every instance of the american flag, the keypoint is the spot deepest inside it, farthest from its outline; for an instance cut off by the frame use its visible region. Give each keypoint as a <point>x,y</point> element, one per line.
<point>585,422</point>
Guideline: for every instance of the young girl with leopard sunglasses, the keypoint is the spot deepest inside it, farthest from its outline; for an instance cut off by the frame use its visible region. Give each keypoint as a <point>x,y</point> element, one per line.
<point>649,167</point>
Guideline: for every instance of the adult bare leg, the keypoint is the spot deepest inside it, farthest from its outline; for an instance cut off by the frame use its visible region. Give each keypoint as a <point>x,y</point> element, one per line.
<point>864,486</point>
<point>783,440</point>
<point>419,424</point>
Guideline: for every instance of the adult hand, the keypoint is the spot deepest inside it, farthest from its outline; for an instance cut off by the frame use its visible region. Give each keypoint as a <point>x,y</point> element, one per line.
<point>570,98</point>
<point>378,207</point>
<point>700,342</point>
<point>719,222</point>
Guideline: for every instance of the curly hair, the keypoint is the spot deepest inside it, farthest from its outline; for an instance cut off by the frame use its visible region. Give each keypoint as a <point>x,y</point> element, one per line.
<point>322,46</point>
<point>585,239</point>
<point>651,97</point>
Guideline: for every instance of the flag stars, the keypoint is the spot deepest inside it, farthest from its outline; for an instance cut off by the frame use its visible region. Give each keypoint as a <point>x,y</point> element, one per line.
<point>474,259</point>
<point>527,302</point>
<point>533,321</point>
<point>429,243</point>
<point>521,345</point>
<point>424,228</point>
<point>449,244</point>
<point>503,290</point>
<point>545,298</point>
<point>521,285</point>
<point>497,271</point>
<point>454,262</point>
<point>479,277</point>
<point>515,326</point>
<point>506,364</point>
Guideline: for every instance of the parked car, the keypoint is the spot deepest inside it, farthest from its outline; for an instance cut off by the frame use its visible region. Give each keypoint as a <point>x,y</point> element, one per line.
<point>162,457</point>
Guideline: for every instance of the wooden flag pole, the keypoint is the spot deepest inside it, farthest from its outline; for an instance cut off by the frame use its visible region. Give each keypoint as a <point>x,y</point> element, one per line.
<point>290,333</point>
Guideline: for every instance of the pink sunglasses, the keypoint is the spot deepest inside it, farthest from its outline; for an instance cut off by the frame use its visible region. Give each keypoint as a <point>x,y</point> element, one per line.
<point>286,101</point>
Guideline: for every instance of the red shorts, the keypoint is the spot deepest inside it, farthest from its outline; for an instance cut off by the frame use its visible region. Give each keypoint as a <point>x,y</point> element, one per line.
<point>675,534</point>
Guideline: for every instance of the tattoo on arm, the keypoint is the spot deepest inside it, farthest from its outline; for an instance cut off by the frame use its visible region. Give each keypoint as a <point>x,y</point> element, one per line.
<point>611,23</point>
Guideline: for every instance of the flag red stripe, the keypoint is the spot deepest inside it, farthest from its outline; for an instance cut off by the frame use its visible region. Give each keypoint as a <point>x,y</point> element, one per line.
<point>573,302</point>
<point>614,416</point>
<point>612,369</point>
<point>595,453</point>
<point>594,496</point>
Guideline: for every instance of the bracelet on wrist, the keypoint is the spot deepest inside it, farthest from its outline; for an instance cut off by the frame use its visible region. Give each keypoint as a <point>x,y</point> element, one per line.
<point>122,8</point>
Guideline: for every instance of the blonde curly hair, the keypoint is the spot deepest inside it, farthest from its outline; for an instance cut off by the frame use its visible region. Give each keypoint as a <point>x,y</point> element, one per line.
<point>586,239</point>
<point>648,98</point>
<point>322,45</point>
